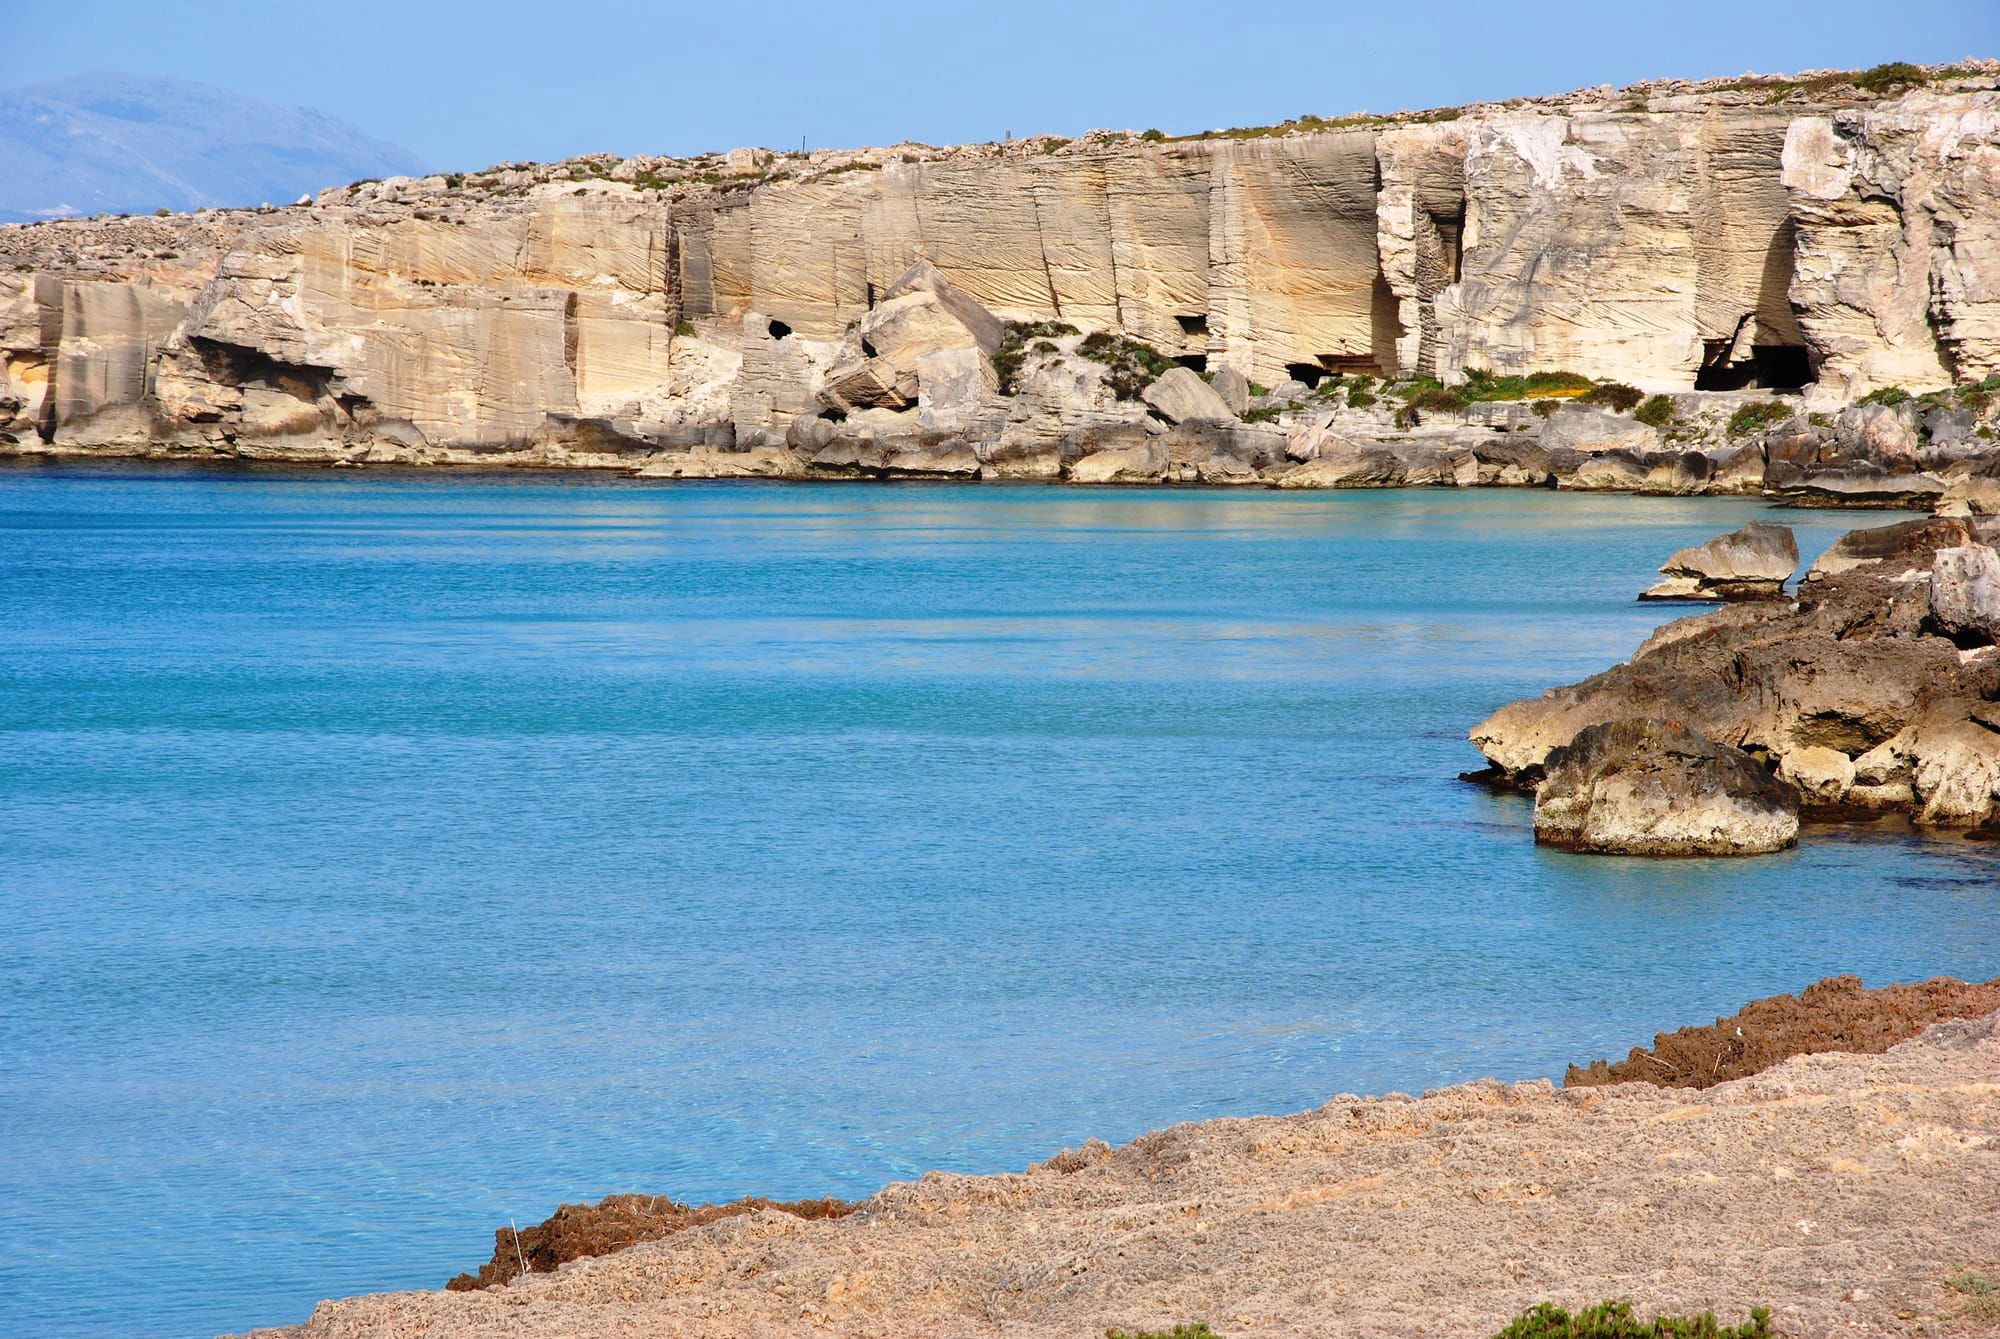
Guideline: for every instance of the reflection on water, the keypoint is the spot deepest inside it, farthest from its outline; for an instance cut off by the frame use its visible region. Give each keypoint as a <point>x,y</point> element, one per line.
<point>388,857</point>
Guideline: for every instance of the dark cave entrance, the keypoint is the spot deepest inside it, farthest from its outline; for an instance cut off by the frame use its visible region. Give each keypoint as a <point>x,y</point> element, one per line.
<point>779,330</point>
<point>1193,362</point>
<point>1193,325</point>
<point>1771,367</point>
<point>1308,375</point>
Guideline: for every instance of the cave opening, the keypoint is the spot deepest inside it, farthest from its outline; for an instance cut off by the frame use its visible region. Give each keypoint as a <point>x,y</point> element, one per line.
<point>1193,362</point>
<point>1308,375</point>
<point>779,330</point>
<point>1193,325</point>
<point>1770,367</point>
<point>1783,367</point>
<point>867,349</point>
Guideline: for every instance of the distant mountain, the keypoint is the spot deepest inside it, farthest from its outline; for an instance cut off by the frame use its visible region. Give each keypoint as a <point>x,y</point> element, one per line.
<point>130,144</point>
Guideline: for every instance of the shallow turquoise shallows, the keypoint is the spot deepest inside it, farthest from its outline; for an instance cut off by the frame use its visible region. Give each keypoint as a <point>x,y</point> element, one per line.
<point>388,857</point>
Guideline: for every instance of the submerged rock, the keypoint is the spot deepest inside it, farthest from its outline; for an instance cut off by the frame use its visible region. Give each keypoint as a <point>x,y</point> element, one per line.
<point>1656,788</point>
<point>1748,564</point>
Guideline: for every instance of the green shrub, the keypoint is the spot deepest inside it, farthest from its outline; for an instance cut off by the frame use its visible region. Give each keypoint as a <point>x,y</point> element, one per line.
<point>1888,395</point>
<point>1130,365</point>
<point>1614,395</point>
<point>1194,1331</point>
<point>1614,1320</point>
<point>1973,1284</point>
<point>1656,412</point>
<point>163,212</point>
<point>1438,400</point>
<point>1893,75</point>
<point>1268,414</point>
<point>1154,136</point>
<point>1757,416</point>
<point>1974,398</point>
<point>1256,390</point>
<point>1013,350</point>
<point>1358,398</point>
<point>1483,385</point>
<point>1544,408</point>
<point>685,329</point>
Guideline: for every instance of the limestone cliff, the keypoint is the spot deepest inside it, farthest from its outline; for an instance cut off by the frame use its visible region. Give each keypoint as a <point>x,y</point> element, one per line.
<point>721,315</point>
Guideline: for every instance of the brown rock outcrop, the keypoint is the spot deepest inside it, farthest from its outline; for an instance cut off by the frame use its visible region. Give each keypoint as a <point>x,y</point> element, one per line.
<point>1860,666</point>
<point>1656,788</point>
<point>1836,1014</point>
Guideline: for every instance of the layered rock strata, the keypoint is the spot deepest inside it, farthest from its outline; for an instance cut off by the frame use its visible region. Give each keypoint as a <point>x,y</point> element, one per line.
<point>752,314</point>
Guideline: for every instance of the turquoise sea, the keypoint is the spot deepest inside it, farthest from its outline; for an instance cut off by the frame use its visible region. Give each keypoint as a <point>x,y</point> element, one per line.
<point>386,857</point>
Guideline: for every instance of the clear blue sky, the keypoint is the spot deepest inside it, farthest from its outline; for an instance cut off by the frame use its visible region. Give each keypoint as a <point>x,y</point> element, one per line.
<point>466,84</point>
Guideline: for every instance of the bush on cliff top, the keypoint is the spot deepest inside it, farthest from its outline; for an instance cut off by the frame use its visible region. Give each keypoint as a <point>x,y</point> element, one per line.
<point>1892,74</point>
<point>1198,1330</point>
<point>1614,1320</point>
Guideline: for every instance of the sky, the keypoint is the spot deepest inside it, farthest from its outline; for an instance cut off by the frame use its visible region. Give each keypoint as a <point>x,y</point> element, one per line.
<point>466,84</point>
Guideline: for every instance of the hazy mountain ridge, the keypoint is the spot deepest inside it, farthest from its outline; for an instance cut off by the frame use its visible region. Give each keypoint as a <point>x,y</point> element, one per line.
<point>127,144</point>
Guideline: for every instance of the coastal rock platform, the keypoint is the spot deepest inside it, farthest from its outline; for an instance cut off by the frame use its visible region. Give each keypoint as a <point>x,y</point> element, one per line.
<point>1838,1190</point>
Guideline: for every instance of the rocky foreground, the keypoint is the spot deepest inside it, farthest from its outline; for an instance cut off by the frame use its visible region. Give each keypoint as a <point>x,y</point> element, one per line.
<point>1776,283</point>
<point>1840,1190</point>
<point>1875,691</point>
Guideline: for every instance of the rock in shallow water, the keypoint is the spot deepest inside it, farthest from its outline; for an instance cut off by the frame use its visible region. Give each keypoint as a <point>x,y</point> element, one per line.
<point>1655,787</point>
<point>1748,564</point>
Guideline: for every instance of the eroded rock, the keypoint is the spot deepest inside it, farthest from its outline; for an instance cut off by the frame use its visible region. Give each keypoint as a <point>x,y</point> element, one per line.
<point>1752,563</point>
<point>1656,788</point>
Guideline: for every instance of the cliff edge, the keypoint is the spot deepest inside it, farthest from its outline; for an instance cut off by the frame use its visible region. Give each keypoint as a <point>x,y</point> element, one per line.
<point>754,313</point>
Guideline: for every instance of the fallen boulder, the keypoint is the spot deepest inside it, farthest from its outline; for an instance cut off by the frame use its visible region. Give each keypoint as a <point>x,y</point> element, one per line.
<point>1656,788</point>
<point>1180,396</point>
<point>1752,563</point>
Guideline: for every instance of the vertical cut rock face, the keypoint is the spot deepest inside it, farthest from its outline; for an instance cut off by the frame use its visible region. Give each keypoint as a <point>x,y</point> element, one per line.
<point>1702,239</point>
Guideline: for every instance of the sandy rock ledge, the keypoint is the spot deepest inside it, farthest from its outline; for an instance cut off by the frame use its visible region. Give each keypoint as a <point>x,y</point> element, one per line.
<point>1839,1190</point>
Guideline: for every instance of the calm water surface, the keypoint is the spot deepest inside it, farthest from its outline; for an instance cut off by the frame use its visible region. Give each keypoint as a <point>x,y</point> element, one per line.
<point>386,857</point>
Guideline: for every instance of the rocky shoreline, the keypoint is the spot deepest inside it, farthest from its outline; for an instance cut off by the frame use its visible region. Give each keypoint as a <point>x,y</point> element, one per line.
<point>1875,690</point>
<point>1841,1189</point>
<point>1777,285</point>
